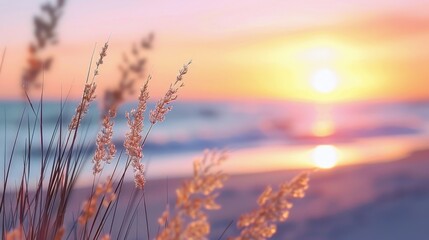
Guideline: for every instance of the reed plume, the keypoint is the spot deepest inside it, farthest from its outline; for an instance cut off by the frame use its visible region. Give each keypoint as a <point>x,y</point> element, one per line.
<point>89,92</point>
<point>105,149</point>
<point>163,105</point>
<point>194,196</point>
<point>133,139</point>
<point>45,34</point>
<point>274,207</point>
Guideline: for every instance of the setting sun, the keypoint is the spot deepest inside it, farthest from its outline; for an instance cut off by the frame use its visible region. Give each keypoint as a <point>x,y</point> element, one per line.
<point>324,81</point>
<point>325,156</point>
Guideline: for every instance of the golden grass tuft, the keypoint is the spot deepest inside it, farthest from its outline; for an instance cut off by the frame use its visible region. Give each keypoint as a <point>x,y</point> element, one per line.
<point>189,220</point>
<point>274,208</point>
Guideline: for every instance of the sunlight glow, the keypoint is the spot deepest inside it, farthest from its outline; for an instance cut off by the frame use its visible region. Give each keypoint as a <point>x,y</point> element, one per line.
<point>323,128</point>
<point>319,54</point>
<point>325,156</point>
<point>324,81</point>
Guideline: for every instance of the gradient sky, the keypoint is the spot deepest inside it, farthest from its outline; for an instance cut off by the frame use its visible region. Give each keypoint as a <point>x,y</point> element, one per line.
<point>240,49</point>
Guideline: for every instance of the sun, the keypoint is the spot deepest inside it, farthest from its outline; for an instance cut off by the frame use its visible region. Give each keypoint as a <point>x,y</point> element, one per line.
<point>324,80</point>
<point>325,156</point>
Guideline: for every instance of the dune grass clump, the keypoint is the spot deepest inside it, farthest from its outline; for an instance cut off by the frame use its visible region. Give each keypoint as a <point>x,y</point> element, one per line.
<point>42,208</point>
<point>40,213</point>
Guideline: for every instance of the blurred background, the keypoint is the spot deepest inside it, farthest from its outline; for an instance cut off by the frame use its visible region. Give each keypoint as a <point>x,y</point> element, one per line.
<point>338,85</point>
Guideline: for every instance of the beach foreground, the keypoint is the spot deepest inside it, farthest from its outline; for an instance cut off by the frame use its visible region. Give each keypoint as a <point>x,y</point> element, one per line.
<point>373,201</point>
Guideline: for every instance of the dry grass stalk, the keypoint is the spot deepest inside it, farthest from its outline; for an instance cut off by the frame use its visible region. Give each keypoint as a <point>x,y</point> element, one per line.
<point>274,207</point>
<point>88,93</point>
<point>163,105</point>
<point>133,138</point>
<point>89,207</point>
<point>44,32</point>
<point>193,197</point>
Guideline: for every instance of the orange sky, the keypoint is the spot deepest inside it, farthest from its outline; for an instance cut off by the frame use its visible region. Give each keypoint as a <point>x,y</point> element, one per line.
<point>240,49</point>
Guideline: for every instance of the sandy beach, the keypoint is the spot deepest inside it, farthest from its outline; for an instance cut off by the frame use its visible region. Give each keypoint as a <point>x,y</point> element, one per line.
<point>383,200</point>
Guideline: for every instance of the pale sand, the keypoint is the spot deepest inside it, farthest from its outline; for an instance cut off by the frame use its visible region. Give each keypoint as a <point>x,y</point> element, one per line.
<point>375,201</point>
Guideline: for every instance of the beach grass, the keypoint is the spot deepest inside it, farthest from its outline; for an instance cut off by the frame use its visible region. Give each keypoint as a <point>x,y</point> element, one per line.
<point>41,207</point>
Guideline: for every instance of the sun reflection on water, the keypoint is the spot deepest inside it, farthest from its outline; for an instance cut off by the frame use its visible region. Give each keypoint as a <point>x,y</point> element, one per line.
<point>325,156</point>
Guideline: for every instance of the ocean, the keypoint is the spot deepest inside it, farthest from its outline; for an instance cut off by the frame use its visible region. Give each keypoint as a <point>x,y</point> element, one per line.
<point>260,136</point>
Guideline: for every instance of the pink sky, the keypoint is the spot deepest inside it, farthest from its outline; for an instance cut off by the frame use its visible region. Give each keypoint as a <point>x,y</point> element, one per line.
<point>240,49</point>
